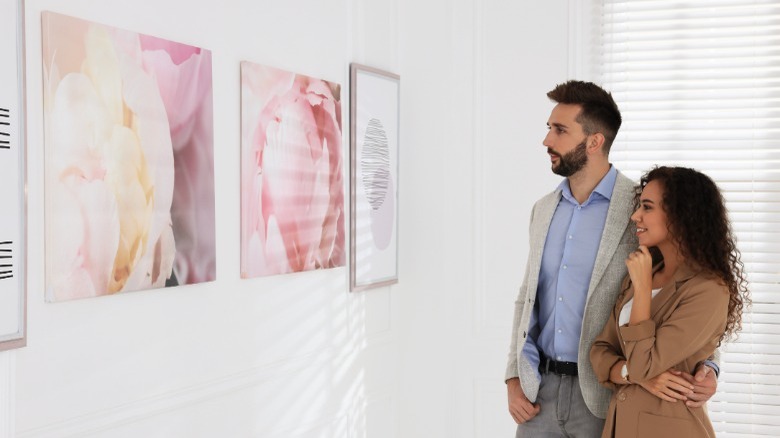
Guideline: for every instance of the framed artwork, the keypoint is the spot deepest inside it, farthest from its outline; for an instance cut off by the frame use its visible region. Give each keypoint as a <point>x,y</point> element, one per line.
<point>292,185</point>
<point>13,249</point>
<point>374,137</point>
<point>129,167</point>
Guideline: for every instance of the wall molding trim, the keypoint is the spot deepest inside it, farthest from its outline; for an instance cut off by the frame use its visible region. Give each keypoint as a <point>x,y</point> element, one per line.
<point>106,419</point>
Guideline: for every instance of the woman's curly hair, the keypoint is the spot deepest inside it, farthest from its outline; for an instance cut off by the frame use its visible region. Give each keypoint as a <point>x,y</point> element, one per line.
<point>698,221</point>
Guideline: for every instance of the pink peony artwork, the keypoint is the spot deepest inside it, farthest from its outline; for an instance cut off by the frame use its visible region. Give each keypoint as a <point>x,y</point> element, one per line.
<point>129,172</point>
<point>292,194</point>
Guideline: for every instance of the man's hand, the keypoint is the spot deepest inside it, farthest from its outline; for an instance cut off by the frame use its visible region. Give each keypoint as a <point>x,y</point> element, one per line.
<point>520,407</point>
<point>705,383</point>
<point>671,385</point>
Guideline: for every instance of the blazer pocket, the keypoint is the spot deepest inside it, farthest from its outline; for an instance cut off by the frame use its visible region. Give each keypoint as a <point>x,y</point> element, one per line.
<point>654,426</point>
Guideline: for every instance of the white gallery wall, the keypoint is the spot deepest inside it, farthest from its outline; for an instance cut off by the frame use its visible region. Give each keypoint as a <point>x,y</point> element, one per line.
<point>297,355</point>
<point>474,77</point>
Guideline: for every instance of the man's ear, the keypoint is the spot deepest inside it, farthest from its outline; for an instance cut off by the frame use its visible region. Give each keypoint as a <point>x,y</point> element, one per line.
<point>595,142</point>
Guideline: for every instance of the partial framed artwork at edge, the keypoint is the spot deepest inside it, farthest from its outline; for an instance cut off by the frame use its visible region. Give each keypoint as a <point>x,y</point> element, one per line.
<point>13,295</point>
<point>374,166</point>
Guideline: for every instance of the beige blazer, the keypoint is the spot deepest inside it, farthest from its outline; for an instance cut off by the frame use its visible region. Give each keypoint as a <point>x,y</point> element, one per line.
<point>687,319</point>
<point>617,241</point>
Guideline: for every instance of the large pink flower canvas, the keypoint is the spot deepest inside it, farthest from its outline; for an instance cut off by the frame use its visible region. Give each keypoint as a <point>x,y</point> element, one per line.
<point>129,171</point>
<point>292,194</point>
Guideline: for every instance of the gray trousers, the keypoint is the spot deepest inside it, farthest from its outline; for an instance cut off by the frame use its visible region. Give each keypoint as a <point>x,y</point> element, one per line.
<point>562,412</point>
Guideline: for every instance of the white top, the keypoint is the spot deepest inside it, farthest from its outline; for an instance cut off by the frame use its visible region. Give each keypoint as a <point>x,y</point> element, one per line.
<point>625,313</point>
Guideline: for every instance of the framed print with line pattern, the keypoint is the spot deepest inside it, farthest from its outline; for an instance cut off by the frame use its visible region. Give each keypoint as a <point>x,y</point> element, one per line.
<point>374,144</point>
<point>12,173</point>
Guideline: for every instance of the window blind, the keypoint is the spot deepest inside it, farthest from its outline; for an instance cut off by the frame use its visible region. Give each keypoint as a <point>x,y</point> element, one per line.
<point>698,84</point>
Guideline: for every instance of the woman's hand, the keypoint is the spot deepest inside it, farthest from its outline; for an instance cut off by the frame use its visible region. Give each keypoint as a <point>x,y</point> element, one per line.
<point>669,386</point>
<point>640,269</point>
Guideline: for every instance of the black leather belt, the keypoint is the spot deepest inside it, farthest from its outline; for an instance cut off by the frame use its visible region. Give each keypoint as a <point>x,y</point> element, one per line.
<point>561,368</point>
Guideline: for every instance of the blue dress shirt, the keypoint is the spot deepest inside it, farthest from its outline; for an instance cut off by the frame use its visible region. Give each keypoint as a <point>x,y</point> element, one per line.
<point>567,264</point>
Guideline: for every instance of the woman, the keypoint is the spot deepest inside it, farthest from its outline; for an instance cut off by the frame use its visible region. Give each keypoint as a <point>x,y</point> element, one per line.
<point>673,314</point>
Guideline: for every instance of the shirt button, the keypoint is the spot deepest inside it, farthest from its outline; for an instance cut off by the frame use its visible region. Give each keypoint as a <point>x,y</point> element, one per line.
<point>622,396</point>
<point>564,266</point>
<point>579,207</point>
<point>569,236</point>
<point>560,298</point>
<point>560,331</point>
<point>558,358</point>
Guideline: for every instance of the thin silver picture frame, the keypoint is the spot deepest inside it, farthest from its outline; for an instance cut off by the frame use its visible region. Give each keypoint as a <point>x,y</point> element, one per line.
<point>375,103</point>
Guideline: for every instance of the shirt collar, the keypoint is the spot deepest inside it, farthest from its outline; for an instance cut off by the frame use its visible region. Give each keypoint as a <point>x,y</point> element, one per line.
<point>604,188</point>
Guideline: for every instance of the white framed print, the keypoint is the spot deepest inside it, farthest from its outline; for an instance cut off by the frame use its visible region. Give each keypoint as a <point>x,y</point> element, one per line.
<point>374,171</point>
<point>12,174</point>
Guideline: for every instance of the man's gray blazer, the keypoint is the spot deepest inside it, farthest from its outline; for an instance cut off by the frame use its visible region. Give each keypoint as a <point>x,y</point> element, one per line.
<point>617,242</point>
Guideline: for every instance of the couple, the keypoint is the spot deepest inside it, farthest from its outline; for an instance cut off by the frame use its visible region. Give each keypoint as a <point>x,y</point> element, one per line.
<point>627,292</point>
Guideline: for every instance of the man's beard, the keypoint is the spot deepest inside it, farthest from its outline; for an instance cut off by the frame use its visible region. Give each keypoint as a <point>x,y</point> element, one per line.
<point>572,162</point>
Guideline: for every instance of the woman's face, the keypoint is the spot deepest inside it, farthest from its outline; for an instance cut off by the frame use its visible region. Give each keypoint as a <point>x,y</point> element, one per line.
<point>652,227</point>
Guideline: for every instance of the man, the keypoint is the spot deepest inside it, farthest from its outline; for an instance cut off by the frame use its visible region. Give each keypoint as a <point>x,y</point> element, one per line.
<point>580,237</point>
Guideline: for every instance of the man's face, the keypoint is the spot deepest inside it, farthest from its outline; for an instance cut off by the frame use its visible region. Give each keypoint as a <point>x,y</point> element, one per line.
<point>566,141</point>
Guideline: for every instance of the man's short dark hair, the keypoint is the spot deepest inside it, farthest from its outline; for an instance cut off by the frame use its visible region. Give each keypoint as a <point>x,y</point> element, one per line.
<point>599,111</point>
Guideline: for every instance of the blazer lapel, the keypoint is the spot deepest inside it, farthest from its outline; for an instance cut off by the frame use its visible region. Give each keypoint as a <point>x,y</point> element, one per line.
<point>540,225</point>
<point>684,272</point>
<point>620,209</point>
